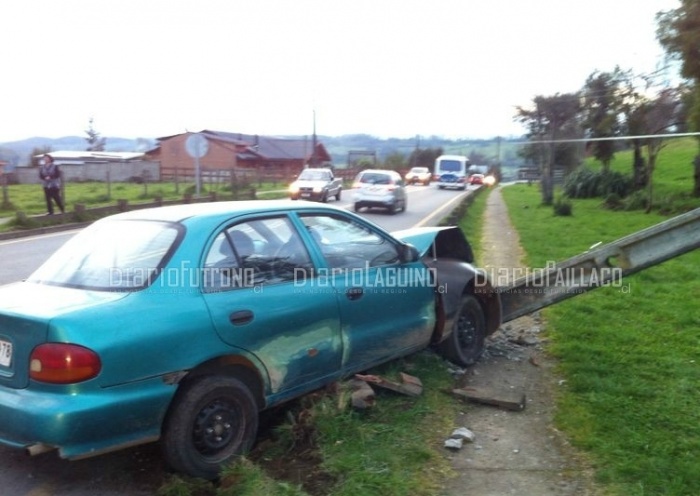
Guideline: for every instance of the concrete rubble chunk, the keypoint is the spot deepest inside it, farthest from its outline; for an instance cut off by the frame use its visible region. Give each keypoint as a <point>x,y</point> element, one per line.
<point>454,444</point>
<point>362,396</point>
<point>464,434</point>
<point>509,400</point>
<point>409,385</point>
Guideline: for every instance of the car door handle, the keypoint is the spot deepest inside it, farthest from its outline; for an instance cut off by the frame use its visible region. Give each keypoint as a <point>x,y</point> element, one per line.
<point>354,293</point>
<point>241,317</point>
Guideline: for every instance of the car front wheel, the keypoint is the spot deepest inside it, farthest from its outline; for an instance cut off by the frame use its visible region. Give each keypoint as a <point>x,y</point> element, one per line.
<point>212,420</point>
<point>465,344</point>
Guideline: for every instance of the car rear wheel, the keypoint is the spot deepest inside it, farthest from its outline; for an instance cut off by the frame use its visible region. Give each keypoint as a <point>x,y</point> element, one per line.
<point>465,344</point>
<point>212,420</point>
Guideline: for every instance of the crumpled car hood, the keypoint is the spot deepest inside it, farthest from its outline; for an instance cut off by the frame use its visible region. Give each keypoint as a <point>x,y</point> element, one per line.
<point>438,242</point>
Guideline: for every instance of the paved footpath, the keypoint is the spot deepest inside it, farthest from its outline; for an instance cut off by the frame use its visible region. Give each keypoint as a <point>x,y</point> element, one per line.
<point>515,452</point>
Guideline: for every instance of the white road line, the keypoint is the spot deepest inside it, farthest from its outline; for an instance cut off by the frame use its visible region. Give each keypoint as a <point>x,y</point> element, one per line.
<point>440,210</point>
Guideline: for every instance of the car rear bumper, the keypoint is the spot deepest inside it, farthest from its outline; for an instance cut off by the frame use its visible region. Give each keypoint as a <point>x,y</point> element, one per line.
<point>452,185</point>
<point>383,201</point>
<point>306,195</point>
<point>86,423</point>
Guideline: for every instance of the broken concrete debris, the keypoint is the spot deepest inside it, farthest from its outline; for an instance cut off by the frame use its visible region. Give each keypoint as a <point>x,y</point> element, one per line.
<point>505,399</point>
<point>458,437</point>
<point>409,385</point>
<point>363,395</point>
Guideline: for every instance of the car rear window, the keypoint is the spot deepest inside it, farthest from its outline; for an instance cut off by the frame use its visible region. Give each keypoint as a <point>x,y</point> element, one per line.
<point>375,178</point>
<point>114,255</point>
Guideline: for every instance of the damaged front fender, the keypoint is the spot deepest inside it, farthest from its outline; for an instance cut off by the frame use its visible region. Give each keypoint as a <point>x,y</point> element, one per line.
<point>447,251</point>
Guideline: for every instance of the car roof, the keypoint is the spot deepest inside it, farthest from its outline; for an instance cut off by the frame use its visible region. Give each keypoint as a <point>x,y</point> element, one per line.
<point>213,210</point>
<point>378,171</point>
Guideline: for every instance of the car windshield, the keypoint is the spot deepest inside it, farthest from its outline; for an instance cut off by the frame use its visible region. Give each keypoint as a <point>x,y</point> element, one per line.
<point>313,175</point>
<point>374,178</point>
<point>450,165</point>
<point>117,255</point>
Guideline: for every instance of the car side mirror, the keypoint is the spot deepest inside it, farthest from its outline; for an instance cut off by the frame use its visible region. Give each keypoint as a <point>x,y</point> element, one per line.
<point>409,253</point>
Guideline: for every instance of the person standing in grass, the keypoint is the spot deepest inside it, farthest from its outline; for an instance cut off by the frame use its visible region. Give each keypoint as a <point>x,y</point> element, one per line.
<point>50,177</point>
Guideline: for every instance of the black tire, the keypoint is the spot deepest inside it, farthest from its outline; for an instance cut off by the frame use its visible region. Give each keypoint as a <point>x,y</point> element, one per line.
<point>324,197</point>
<point>337,196</point>
<point>210,421</point>
<point>356,207</point>
<point>465,344</point>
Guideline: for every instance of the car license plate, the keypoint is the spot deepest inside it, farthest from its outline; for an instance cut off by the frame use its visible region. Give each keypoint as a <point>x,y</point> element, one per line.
<point>305,195</point>
<point>5,353</point>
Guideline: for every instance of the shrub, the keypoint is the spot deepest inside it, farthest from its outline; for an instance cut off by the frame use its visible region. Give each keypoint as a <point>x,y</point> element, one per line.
<point>636,201</point>
<point>587,183</point>
<point>563,207</point>
<point>613,202</point>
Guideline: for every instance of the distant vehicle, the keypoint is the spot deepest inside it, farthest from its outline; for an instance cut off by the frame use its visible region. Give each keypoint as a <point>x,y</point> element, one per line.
<point>490,180</point>
<point>381,189</point>
<point>476,179</point>
<point>478,169</point>
<point>316,184</point>
<point>420,175</point>
<point>451,171</point>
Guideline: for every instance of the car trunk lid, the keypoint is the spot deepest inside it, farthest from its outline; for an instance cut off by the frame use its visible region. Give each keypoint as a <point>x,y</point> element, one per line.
<point>26,310</point>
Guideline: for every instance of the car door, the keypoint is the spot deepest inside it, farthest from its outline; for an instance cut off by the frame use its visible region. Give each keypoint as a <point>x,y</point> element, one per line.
<point>252,271</point>
<point>387,307</point>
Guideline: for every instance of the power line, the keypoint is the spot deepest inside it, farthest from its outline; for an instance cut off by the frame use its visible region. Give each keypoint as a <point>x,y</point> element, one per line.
<point>609,138</point>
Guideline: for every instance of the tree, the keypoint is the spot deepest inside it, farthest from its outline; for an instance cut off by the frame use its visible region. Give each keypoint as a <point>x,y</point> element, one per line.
<point>660,116</point>
<point>424,157</point>
<point>395,161</point>
<point>552,119</point>
<point>33,160</point>
<point>602,100</point>
<point>678,33</point>
<point>95,142</point>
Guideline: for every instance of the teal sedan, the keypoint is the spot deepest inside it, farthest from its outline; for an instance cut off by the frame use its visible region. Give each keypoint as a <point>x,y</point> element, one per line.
<point>181,324</point>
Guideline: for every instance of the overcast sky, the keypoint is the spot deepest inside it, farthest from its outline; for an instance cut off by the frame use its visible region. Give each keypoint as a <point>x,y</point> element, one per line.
<point>389,68</point>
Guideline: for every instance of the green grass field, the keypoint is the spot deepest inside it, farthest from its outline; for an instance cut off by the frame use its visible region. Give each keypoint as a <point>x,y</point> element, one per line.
<point>630,355</point>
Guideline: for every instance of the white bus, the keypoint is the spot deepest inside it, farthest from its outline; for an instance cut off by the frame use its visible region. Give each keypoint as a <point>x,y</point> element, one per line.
<point>451,171</point>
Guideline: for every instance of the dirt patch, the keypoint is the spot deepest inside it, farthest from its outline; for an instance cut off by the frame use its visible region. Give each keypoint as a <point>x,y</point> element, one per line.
<point>514,452</point>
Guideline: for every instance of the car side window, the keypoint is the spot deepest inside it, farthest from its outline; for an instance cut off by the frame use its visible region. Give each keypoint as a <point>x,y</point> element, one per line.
<point>348,244</point>
<point>256,252</point>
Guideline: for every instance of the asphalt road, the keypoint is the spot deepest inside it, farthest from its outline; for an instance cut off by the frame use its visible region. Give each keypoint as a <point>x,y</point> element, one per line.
<point>140,470</point>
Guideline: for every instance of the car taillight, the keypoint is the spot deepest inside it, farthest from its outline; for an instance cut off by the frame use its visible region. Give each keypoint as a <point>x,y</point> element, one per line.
<point>60,363</point>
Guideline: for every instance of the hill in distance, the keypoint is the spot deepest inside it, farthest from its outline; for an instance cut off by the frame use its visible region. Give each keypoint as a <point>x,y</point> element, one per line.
<point>17,152</point>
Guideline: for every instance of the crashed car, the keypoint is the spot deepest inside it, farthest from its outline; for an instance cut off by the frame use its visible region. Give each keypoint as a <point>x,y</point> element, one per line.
<point>181,324</point>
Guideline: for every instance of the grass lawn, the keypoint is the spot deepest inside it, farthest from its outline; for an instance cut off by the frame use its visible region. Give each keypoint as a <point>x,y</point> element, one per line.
<point>630,354</point>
